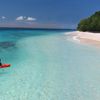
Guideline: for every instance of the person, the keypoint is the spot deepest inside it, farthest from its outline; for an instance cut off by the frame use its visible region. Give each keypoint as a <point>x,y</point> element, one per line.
<point>0,63</point>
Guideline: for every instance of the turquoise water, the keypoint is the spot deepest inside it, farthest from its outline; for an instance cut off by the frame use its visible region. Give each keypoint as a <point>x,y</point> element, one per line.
<point>47,66</point>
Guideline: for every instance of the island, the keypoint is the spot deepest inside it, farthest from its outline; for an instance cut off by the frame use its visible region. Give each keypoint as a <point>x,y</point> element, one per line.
<point>88,30</point>
<point>91,23</point>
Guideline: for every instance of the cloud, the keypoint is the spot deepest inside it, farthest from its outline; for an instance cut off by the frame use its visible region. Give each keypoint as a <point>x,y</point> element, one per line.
<point>30,19</point>
<point>20,18</point>
<point>3,17</point>
<point>24,18</point>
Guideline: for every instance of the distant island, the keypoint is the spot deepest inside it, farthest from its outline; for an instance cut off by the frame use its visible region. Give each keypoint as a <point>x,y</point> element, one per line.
<point>91,24</point>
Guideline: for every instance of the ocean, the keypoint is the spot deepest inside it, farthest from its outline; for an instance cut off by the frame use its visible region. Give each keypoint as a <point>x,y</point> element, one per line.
<point>46,65</point>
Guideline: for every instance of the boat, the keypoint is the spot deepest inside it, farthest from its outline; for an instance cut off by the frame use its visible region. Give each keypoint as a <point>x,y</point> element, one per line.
<point>5,65</point>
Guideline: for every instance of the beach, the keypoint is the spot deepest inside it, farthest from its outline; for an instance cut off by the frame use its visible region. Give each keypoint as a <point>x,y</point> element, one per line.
<point>47,66</point>
<point>86,37</point>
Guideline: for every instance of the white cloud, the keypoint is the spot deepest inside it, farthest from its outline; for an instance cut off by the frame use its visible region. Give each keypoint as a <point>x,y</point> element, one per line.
<point>3,17</point>
<point>20,18</point>
<point>24,18</point>
<point>30,19</point>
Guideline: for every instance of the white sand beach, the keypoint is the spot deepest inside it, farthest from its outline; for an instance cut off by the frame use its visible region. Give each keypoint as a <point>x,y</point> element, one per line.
<point>86,37</point>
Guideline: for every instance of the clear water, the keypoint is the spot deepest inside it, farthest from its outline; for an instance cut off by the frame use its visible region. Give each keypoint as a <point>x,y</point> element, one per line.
<point>47,66</point>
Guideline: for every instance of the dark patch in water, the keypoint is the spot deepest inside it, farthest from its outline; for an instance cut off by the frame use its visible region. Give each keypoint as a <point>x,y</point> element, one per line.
<point>7,44</point>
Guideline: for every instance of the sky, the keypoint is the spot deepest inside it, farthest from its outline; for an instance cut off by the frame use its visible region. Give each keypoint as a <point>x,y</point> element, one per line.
<point>46,13</point>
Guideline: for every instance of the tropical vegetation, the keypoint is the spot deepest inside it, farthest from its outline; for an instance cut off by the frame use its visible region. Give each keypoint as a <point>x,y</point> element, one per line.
<point>91,23</point>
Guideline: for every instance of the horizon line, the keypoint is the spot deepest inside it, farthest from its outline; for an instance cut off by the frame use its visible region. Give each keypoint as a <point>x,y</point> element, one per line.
<point>36,28</point>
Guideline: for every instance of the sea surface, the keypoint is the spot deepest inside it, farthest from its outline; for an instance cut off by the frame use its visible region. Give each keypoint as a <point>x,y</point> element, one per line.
<point>46,65</point>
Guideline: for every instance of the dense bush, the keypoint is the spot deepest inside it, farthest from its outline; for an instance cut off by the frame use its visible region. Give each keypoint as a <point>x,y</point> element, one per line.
<point>90,24</point>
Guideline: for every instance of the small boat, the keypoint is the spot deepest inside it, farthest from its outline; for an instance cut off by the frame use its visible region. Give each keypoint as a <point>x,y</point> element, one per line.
<point>5,65</point>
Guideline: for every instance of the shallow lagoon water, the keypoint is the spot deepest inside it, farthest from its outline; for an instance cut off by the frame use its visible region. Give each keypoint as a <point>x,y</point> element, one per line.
<point>47,66</point>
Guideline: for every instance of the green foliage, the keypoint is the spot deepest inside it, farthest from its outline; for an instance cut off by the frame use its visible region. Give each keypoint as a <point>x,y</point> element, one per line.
<point>90,24</point>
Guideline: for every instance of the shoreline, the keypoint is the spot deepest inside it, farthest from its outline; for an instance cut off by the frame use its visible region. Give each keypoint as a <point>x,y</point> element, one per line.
<point>86,37</point>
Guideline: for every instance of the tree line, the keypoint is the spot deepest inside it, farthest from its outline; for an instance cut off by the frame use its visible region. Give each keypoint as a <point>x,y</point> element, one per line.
<point>91,23</point>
